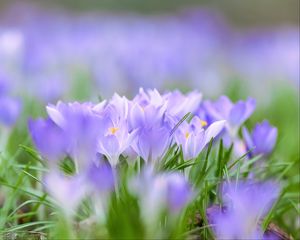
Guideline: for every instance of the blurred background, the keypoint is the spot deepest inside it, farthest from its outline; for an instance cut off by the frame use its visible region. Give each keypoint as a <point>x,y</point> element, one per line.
<point>253,12</point>
<point>82,49</point>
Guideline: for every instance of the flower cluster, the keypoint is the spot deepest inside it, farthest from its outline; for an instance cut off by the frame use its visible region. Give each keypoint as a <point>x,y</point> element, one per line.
<point>157,165</point>
<point>98,138</point>
<point>245,205</point>
<point>143,127</point>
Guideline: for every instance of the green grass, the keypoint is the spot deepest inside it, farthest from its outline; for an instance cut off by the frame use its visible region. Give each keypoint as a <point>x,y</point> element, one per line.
<point>28,211</point>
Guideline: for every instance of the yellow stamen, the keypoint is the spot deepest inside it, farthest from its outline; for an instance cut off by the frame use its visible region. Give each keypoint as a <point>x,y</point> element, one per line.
<point>113,130</point>
<point>187,134</point>
<point>203,123</point>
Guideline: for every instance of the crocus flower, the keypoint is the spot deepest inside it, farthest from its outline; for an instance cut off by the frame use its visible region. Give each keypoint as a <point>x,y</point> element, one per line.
<point>179,104</point>
<point>9,110</point>
<point>82,128</point>
<point>100,177</point>
<point>179,192</point>
<point>147,115</point>
<point>262,140</point>
<point>71,129</point>
<point>245,205</point>
<point>120,105</point>
<point>116,138</point>
<point>157,192</point>
<point>48,138</point>
<point>4,84</point>
<point>193,137</point>
<point>235,114</point>
<point>99,182</point>
<point>10,107</point>
<point>149,97</point>
<point>67,191</point>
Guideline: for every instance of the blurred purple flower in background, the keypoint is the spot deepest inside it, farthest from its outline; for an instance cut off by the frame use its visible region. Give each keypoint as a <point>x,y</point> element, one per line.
<point>10,107</point>
<point>9,111</point>
<point>196,48</point>
<point>268,54</point>
<point>245,206</point>
<point>262,140</point>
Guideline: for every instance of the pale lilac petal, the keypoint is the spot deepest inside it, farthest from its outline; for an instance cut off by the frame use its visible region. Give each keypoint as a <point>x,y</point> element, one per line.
<point>48,138</point>
<point>101,177</point>
<point>109,146</point>
<point>179,192</point>
<point>137,116</point>
<point>213,130</point>
<point>237,114</point>
<point>67,191</point>
<point>56,116</point>
<point>248,139</point>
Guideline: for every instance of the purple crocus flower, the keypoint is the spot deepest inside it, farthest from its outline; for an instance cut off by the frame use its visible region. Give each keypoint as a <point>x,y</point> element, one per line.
<point>4,84</point>
<point>120,105</point>
<point>245,205</point>
<point>71,129</point>
<point>235,114</point>
<point>193,137</point>
<point>100,177</point>
<point>179,104</point>
<point>67,191</point>
<point>10,107</point>
<point>147,115</point>
<point>48,138</point>
<point>157,192</point>
<point>74,129</point>
<point>152,142</point>
<point>116,138</point>
<point>82,128</point>
<point>179,192</point>
<point>149,97</point>
<point>99,182</point>
<point>262,140</point>
<point>9,110</point>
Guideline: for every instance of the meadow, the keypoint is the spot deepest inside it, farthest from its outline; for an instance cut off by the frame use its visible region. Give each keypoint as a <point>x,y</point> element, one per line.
<point>133,126</point>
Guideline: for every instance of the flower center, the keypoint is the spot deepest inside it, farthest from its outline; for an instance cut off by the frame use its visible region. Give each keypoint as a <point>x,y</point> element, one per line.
<point>113,130</point>
<point>203,123</point>
<point>187,134</point>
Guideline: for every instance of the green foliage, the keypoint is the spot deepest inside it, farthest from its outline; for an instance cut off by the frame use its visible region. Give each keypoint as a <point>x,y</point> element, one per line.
<point>26,210</point>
